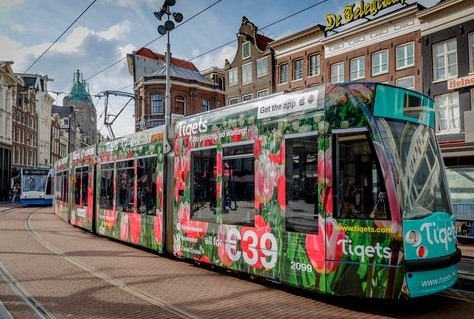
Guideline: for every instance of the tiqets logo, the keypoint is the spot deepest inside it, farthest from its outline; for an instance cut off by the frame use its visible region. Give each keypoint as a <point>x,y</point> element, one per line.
<point>184,128</point>
<point>436,235</point>
<point>364,252</point>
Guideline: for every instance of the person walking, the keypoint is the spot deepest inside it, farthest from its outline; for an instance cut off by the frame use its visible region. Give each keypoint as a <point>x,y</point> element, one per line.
<point>16,193</point>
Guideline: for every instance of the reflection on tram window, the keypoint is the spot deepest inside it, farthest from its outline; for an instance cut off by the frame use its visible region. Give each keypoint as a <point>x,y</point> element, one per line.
<point>238,180</point>
<point>146,185</point>
<point>301,184</point>
<point>81,184</point>
<point>125,185</point>
<point>203,195</point>
<point>360,189</point>
<point>107,186</point>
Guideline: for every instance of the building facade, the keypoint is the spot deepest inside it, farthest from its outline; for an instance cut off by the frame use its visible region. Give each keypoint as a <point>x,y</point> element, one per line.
<point>8,87</point>
<point>80,101</point>
<point>43,104</point>
<point>386,49</point>
<point>191,92</point>
<point>25,128</point>
<point>249,75</point>
<point>58,142</point>
<point>297,60</point>
<point>69,128</point>
<point>447,37</point>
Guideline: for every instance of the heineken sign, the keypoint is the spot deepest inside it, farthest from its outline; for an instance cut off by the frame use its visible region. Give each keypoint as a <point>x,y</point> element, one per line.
<point>353,12</point>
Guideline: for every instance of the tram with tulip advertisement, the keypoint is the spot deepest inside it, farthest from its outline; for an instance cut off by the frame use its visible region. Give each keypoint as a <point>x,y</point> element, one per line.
<point>339,189</point>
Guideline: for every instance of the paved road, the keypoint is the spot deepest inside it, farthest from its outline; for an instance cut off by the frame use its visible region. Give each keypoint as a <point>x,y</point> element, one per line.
<point>49,269</point>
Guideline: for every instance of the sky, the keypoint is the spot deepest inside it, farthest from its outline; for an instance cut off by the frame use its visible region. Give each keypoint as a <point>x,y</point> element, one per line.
<point>55,38</point>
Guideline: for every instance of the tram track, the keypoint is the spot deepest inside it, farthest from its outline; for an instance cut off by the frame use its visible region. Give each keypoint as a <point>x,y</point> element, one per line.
<point>28,299</point>
<point>39,309</point>
<point>179,312</point>
<point>431,307</point>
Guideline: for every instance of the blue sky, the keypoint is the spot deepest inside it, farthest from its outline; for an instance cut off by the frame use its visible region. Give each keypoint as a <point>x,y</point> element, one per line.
<point>97,43</point>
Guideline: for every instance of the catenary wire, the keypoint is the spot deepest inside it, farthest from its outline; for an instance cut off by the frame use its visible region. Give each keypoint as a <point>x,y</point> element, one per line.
<point>184,22</point>
<point>55,41</point>
<point>209,51</point>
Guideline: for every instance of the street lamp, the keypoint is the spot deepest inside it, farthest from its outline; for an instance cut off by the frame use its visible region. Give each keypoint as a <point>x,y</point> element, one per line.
<point>165,29</point>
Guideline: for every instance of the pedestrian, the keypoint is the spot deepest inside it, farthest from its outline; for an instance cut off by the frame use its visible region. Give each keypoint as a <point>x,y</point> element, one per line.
<point>16,193</point>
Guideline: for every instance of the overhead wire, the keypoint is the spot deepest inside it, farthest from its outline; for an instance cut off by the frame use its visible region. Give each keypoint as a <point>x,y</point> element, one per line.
<point>184,22</point>
<point>55,41</point>
<point>220,46</point>
<point>264,27</point>
<point>179,25</point>
<point>159,37</point>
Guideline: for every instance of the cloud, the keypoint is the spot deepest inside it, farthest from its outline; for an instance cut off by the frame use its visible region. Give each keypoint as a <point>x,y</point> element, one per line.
<point>20,28</point>
<point>10,49</point>
<point>116,31</point>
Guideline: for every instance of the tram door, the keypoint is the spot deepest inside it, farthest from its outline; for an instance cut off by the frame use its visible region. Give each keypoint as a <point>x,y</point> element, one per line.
<point>360,189</point>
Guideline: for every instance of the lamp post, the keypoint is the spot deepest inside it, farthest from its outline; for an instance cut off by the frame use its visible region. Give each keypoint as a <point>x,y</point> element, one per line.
<point>165,29</point>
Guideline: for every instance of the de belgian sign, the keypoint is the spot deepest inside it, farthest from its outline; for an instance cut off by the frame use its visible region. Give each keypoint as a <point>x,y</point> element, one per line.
<point>353,12</point>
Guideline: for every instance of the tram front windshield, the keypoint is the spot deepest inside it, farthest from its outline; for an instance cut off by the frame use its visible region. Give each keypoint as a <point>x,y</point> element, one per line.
<point>419,168</point>
<point>34,181</point>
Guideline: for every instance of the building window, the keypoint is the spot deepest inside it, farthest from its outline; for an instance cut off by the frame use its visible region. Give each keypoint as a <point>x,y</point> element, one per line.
<point>407,83</point>
<point>405,55</point>
<point>157,104</point>
<point>246,73</point>
<point>262,93</point>
<point>358,68</point>
<point>471,52</point>
<point>246,50</point>
<point>448,112</point>
<point>337,72</point>
<point>445,60</point>
<point>233,101</point>
<point>220,83</point>
<point>204,105</point>
<point>262,67</point>
<point>180,105</point>
<point>283,75</point>
<point>297,69</point>
<point>233,77</point>
<point>247,97</point>
<point>314,65</point>
<point>380,62</point>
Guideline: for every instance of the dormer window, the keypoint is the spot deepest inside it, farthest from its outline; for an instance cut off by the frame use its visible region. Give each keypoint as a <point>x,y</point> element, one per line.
<point>245,50</point>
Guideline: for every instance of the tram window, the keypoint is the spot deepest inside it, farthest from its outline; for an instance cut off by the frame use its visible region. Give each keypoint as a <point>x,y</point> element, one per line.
<point>49,185</point>
<point>61,188</point>
<point>203,195</point>
<point>106,186</point>
<point>238,180</point>
<point>125,185</point>
<point>65,194</point>
<point>146,183</point>
<point>81,185</point>
<point>360,191</point>
<point>301,184</point>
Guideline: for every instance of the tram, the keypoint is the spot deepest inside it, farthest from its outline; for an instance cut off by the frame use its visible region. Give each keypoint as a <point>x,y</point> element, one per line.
<point>36,186</point>
<point>339,189</point>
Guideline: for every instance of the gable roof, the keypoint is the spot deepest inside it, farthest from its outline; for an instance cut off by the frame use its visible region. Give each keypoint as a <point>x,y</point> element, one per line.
<point>174,61</point>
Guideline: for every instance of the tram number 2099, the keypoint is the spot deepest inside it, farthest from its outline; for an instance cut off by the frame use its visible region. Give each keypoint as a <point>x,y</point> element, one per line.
<point>256,248</point>
<point>301,266</point>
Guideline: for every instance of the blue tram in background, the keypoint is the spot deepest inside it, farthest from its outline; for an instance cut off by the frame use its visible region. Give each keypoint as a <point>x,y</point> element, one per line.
<point>36,186</point>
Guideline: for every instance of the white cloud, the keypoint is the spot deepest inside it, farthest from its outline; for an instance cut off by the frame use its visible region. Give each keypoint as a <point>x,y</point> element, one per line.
<point>20,28</point>
<point>10,50</point>
<point>116,31</point>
